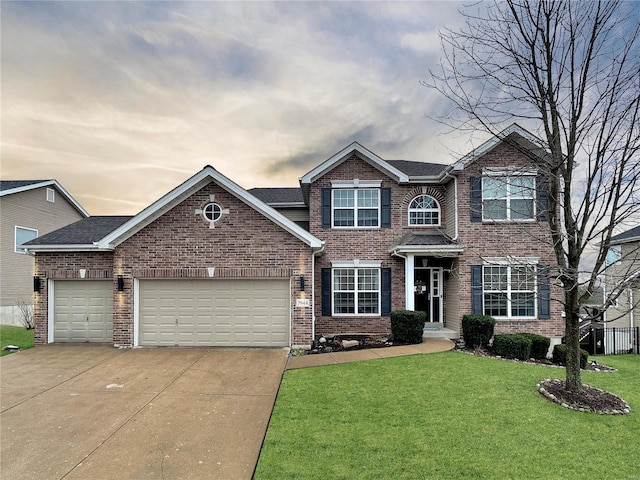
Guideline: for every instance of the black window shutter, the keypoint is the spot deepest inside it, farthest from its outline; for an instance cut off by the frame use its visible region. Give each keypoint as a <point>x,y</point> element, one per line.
<point>476,198</point>
<point>476,289</point>
<point>385,203</point>
<point>326,292</point>
<point>542,200</point>
<point>544,292</point>
<point>386,292</point>
<point>326,208</point>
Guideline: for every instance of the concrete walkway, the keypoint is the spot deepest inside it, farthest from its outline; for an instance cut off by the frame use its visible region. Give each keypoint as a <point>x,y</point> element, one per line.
<point>430,345</point>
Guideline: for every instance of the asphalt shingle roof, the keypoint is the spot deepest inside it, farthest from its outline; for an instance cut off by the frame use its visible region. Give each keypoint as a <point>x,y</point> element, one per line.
<point>425,239</point>
<point>278,195</point>
<point>418,169</point>
<point>629,234</point>
<point>82,232</point>
<point>11,184</point>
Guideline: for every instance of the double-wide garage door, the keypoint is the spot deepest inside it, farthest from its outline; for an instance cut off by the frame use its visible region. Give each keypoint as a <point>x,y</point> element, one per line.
<point>214,312</point>
<point>83,311</point>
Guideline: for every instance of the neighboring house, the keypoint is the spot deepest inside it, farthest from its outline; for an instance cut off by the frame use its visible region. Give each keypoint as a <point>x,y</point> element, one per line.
<point>210,263</point>
<point>28,209</point>
<point>623,280</point>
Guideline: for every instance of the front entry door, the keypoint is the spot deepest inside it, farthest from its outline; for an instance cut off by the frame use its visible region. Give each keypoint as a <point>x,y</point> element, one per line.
<point>428,292</point>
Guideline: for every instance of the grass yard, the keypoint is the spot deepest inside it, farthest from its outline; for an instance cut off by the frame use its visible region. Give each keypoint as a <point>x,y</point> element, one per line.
<point>19,336</point>
<point>447,416</point>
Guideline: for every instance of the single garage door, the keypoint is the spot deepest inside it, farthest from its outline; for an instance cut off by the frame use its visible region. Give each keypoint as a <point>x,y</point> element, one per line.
<point>229,313</point>
<point>83,311</point>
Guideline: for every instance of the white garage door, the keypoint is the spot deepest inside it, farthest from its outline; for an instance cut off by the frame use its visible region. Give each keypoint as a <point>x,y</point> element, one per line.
<point>83,311</point>
<point>214,312</point>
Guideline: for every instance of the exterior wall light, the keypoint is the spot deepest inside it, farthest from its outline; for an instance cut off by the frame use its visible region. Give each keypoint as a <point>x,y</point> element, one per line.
<point>37,283</point>
<point>301,283</point>
<point>120,283</point>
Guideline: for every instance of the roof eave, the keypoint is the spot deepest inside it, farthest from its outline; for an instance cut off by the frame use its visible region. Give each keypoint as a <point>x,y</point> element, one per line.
<point>190,186</point>
<point>47,183</point>
<point>331,162</point>
<point>494,141</point>
<point>427,248</point>
<point>624,240</point>
<point>85,247</point>
<point>426,179</point>
<point>287,204</point>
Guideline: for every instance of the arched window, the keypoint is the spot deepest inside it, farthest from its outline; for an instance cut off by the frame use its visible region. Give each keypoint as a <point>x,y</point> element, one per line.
<point>424,210</point>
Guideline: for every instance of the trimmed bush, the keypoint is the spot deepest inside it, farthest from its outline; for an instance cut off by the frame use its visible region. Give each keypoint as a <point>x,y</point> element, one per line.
<point>539,345</point>
<point>560,355</point>
<point>407,326</point>
<point>477,330</point>
<point>512,345</point>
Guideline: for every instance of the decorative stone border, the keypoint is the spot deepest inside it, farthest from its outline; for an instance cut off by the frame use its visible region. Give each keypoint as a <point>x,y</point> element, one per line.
<point>541,388</point>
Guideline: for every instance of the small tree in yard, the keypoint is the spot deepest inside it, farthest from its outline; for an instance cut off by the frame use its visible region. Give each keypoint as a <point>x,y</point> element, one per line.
<point>570,71</point>
<point>26,315</point>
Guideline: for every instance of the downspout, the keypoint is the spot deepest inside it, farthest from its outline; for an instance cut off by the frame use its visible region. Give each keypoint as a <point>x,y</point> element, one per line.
<point>455,204</point>
<point>631,306</point>
<point>313,290</point>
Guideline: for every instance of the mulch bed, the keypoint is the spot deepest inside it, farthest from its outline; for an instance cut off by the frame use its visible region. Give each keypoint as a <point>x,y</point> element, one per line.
<point>591,399</point>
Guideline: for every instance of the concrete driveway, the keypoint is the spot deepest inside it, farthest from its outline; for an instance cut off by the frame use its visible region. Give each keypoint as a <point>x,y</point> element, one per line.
<point>92,411</point>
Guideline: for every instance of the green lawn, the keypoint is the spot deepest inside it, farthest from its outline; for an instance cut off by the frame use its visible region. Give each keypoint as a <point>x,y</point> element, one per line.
<point>448,416</point>
<point>19,336</point>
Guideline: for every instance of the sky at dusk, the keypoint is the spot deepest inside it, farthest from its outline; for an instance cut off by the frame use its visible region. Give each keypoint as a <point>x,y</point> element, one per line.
<point>122,101</point>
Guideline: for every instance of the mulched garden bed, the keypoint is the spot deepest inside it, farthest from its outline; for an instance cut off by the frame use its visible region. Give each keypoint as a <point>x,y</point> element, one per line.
<point>340,343</point>
<point>591,399</point>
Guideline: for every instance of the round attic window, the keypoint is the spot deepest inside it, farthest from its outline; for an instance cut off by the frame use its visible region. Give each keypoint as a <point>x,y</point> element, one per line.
<point>212,212</point>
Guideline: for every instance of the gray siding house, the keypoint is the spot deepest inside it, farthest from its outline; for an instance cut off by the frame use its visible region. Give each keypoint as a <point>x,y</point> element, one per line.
<point>28,209</point>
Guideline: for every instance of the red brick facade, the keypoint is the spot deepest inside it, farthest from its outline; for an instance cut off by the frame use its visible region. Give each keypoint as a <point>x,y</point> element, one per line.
<point>247,244</point>
<point>180,244</point>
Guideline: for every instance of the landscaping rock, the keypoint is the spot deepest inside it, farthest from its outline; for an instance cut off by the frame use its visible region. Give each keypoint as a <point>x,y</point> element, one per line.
<point>346,344</point>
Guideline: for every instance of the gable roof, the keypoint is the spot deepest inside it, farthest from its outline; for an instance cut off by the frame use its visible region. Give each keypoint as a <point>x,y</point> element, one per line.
<point>515,135</point>
<point>10,187</point>
<point>81,234</point>
<point>109,232</point>
<point>367,155</point>
<point>632,235</point>
<point>419,169</point>
<point>289,196</point>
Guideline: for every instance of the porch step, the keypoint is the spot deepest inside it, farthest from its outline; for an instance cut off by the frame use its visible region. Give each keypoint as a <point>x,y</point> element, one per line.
<point>440,332</point>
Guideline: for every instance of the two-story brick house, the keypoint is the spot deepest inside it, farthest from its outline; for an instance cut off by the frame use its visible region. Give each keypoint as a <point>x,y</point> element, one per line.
<point>213,264</point>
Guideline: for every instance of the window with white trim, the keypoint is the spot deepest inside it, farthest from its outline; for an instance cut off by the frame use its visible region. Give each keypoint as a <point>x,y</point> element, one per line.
<point>358,207</point>
<point>424,210</point>
<point>51,195</point>
<point>614,255</point>
<point>356,291</point>
<point>508,197</point>
<point>24,235</point>
<point>212,212</point>
<point>509,291</point>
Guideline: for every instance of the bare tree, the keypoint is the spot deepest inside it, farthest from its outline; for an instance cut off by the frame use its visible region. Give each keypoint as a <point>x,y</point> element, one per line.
<point>570,72</point>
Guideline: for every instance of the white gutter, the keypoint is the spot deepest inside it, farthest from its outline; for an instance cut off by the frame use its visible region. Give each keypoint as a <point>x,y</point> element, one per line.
<point>65,248</point>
